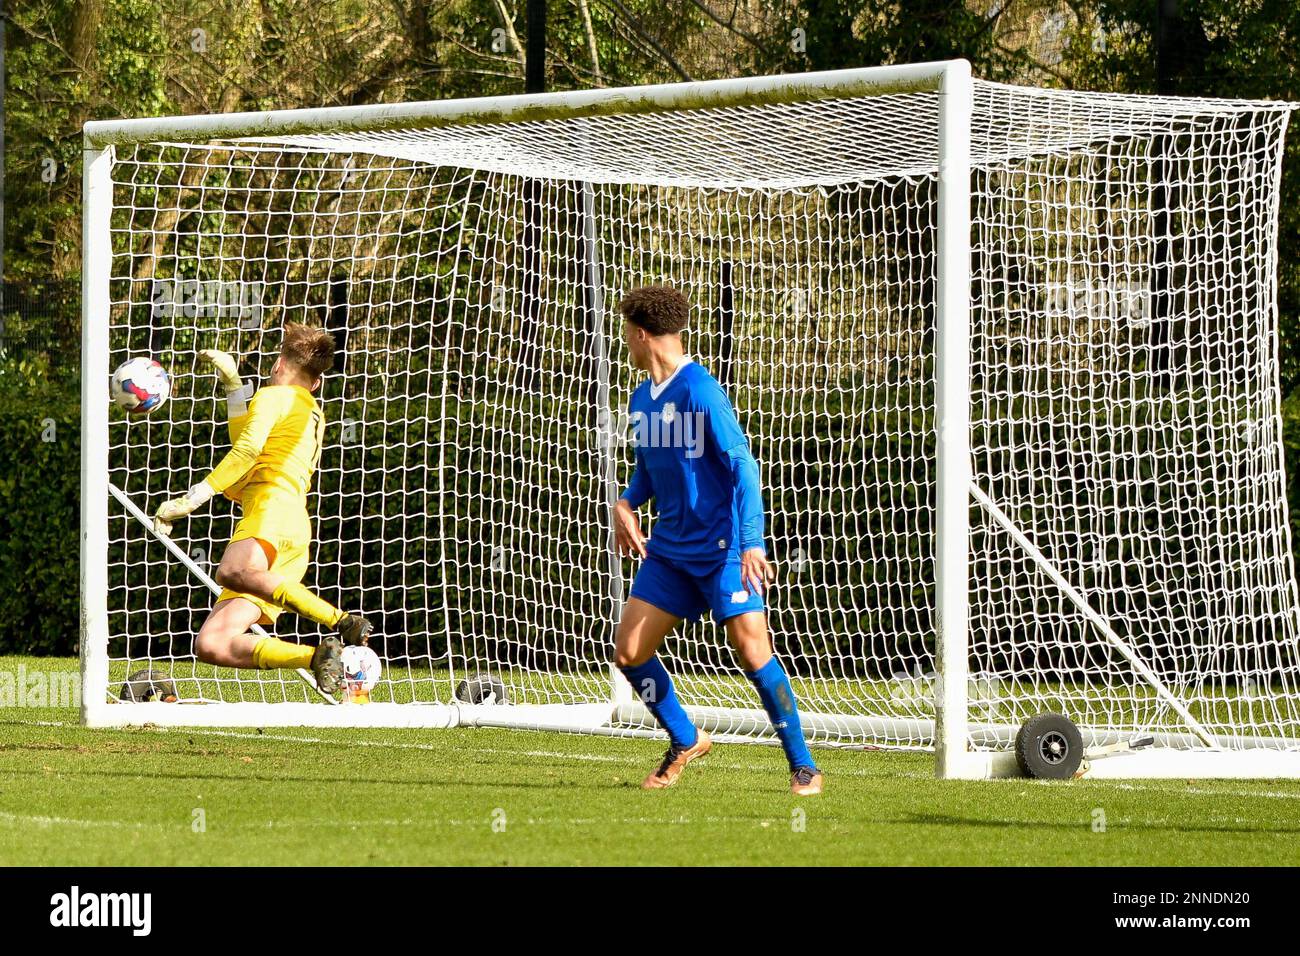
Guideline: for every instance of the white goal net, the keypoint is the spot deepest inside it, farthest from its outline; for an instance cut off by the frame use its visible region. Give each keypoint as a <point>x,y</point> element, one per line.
<point>1129,560</point>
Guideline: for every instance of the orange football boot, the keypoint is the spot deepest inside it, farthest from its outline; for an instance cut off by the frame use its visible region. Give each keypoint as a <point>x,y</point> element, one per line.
<point>806,782</point>
<point>675,761</point>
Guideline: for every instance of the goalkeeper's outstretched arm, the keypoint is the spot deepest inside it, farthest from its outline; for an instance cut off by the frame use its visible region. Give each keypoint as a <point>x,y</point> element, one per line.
<point>239,461</point>
<point>238,392</point>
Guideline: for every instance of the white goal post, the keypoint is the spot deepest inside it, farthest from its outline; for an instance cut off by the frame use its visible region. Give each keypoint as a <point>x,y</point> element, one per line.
<point>1008,359</point>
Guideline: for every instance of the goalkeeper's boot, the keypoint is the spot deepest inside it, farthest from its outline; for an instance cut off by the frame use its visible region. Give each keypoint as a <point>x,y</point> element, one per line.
<point>354,629</point>
<point>675,761</point>
<point>226,367</point>
<point>327,665</point>
<point>806,782</point>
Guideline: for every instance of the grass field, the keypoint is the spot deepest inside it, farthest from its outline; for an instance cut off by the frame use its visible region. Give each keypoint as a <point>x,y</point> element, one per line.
<point>72,796</point>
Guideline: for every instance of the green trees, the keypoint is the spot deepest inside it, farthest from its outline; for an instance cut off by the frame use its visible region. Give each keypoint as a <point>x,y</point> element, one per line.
<point>73,60</point>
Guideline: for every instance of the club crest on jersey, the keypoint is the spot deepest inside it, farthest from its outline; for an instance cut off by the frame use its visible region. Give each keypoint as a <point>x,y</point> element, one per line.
<point>668,413</point>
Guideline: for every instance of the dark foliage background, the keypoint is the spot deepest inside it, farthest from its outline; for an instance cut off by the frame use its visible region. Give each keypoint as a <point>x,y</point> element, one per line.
<point>74,60</point>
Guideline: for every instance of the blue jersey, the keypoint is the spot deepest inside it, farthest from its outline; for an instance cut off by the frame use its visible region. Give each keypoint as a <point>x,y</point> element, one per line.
<point>694,461</point>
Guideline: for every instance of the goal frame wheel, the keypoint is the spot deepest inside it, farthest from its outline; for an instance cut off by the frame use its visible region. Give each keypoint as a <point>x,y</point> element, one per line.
<point>149,685</point>
<point>484,689</point>
<point>1049,747</point>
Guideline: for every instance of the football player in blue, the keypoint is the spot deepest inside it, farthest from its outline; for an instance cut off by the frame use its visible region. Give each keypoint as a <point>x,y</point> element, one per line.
<point>706,550</point>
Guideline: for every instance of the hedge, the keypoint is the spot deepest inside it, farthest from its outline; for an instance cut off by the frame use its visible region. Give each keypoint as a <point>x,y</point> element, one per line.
<point>40,474</point>
<point>39,495</point>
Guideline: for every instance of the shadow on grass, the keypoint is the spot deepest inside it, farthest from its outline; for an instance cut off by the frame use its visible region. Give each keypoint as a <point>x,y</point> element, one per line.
<point>940,820</point>
<point>281,779</point>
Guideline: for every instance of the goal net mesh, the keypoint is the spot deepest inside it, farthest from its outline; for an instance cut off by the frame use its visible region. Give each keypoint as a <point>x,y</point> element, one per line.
<point>1124,414</point>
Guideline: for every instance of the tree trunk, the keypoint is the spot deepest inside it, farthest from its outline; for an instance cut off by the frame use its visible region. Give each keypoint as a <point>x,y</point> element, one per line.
<point>81,50</point>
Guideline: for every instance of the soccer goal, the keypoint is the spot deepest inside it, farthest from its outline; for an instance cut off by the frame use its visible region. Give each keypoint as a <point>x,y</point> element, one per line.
<point>1008,358</point>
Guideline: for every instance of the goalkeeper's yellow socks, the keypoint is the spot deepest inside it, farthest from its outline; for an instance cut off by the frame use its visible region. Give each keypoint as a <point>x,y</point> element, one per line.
<point>271,653</point>
<point>293,596</point>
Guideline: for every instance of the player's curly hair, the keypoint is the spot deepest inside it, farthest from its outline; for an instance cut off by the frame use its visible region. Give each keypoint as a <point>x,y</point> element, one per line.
<point>659,309</point>
<point>309,348</point>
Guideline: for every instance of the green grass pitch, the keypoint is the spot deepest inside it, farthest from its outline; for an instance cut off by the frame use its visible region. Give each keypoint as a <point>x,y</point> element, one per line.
<point>73,796</point>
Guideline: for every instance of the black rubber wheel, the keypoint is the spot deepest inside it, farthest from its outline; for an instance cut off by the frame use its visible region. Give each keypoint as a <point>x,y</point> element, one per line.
<point>1049,747</point>
<point>149,685</point>
<point>481,690</point>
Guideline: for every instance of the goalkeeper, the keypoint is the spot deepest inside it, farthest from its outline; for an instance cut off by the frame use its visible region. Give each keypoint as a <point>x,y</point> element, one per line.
<point>706,552</point>
<point>277,439</point>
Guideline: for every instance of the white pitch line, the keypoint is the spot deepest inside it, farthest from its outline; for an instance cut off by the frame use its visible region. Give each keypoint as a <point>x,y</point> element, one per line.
<point>395,745</point>
<point>436,748</point>
<point>1196,792</point>
<point>22,819</point>
<point>492,751</point>
<point>26,819</point>
<point>354,742</point>
<point>631,760</point>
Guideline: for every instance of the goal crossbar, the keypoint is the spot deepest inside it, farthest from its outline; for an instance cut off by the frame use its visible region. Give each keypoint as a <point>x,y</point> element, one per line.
<point>518,108</point>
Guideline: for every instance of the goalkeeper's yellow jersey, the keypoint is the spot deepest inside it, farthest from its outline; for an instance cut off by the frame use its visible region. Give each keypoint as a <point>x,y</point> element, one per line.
<point>276,442</point>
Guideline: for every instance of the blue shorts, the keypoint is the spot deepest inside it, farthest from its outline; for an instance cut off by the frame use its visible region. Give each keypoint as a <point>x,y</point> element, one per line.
<point>688,590</point>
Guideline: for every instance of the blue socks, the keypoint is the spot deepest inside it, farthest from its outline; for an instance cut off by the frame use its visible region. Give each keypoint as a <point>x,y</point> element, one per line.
<point>778,700</point>
<point>651,683</point>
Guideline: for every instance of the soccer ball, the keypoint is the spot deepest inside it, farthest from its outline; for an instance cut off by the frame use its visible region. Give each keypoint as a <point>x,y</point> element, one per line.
<point>361,670</point>
<point>140,385</point>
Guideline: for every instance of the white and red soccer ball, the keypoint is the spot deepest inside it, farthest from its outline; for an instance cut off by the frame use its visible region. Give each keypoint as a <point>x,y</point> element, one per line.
<point>140,386</point>
<point>361,671</point>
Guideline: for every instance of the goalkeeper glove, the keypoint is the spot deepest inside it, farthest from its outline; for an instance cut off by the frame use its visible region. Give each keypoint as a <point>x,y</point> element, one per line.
<point>177,508</point>
<point>226,367</point>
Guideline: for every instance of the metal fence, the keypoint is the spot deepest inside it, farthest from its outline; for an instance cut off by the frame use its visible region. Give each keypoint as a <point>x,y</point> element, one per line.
<point>41,321</point>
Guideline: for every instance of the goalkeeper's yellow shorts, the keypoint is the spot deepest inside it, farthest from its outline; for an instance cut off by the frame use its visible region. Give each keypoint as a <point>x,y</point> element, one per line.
<point>278,519</point>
